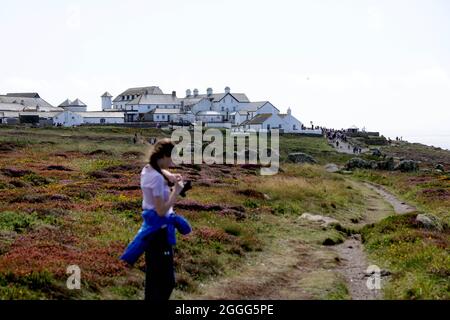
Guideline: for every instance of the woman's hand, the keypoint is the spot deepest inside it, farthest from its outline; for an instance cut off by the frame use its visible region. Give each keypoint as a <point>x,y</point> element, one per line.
<point>179,185</point>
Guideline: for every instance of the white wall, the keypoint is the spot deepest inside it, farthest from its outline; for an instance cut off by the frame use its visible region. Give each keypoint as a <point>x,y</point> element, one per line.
<point>209,118</point>
<point>202,105</point>
<point>68,119</point>
<point>290,122</point>
<point>227,104</point>
<point>107,120</point>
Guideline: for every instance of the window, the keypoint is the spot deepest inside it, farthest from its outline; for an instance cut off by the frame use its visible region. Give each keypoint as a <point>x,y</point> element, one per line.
<point>102,121</point>
<point>234,108</point>
<point>294,127</point>
<point>157,117</point>
<point>223,108</point>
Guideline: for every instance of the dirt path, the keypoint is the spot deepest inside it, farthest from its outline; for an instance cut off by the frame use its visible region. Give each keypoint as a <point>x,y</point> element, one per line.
<point>291,268</point>
<point>345,147</point>
<point>380,204</point>
<point>399,206</point>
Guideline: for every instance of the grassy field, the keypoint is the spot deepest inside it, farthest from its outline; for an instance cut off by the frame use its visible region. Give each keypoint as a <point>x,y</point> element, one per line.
<point>72,197</point>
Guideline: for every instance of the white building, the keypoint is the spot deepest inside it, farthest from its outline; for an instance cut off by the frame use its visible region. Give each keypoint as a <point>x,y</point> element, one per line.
<point>76,106</point>
<point>120,102</point>
<point>106,101</point>
<point>162,115</point>
<point>291,124</point>
<point>102,117</point>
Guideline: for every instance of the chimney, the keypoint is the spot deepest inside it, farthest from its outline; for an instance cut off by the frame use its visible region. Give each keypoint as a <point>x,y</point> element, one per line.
<point>195,92</point>
<point>227,89</point>
<point>209,91</point>
<point>174,94</point>
<point>289,111</point>
<point>188,93</point>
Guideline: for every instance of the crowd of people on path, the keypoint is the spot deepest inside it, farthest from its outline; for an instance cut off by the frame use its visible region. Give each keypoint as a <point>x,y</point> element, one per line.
<point>337,137</point>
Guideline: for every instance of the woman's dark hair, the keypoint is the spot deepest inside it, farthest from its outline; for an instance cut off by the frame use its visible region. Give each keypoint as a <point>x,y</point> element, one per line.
<point>163,148</point>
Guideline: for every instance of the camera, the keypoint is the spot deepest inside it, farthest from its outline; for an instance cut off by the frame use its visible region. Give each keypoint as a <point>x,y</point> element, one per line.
<point>187,186</point>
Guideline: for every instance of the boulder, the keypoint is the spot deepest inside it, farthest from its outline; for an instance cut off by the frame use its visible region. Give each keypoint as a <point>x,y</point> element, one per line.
<point>358,163</point>
<point>325,221</point>
<point>331,167</point>
<point>387,164</point>
<point>407,166</point>
<point>300,157</point>
<point>376,152</point>
<point>429,221</point>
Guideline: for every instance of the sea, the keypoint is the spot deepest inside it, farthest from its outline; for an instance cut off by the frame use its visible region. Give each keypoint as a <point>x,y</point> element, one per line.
<point>441,140</point>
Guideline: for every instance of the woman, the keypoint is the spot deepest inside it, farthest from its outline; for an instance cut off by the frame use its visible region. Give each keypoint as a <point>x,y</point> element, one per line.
<point>157,234</point>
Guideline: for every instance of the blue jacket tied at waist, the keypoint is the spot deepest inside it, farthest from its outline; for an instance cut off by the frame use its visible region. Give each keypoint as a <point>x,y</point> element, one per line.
<point>152,223</point>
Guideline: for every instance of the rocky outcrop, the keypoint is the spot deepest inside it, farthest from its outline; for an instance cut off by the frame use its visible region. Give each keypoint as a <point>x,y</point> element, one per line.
<point>407,166</point>
<point>430,221</point>
<point>300,157</point>
<point>358,163</point>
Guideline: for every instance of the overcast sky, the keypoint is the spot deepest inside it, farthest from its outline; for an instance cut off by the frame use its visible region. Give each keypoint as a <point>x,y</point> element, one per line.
<point>384,65</point>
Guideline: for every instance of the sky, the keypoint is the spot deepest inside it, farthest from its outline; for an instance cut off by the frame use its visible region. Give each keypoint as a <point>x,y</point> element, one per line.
<point>382,65</point>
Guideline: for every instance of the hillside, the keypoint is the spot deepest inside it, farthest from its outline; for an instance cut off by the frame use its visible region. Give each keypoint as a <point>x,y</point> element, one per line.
<point>72,196</point>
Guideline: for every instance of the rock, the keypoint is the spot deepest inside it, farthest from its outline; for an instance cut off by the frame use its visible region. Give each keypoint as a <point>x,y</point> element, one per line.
<point>325,221</point>
<point>429,221</point>
<point>376,152</point>
<point>387,164</point>
<point>358,163</point>
<point>439,167</point>
<point>407,166</point>
<point>300,157</point>
<point>331,167</point>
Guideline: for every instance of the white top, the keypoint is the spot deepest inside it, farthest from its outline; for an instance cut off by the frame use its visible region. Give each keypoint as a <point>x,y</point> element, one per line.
<point>153,185</point>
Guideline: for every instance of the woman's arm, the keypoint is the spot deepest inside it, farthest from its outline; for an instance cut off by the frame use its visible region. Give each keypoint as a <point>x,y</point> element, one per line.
<point>172,177</point>
<point>161,206</point>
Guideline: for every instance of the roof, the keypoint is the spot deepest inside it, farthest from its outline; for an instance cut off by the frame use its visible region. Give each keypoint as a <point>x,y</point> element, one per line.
<point>190,101</point>
<point>107,94</point>
<point>216,97</point>
<point>29,102</point>
<point>66,103</point>
<point>77,103</point>
<point>11,107</point>
<point>24,94</point>
<point>139,91</point>
<point>100,114</point>
<point>208,113</point>
<point>155,99</point>
<point>260,118</point>
<point>165,111</point>
<point>253,106</point>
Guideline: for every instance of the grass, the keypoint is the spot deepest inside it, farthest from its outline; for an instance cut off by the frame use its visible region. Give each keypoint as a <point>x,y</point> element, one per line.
<point>418,258</point>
